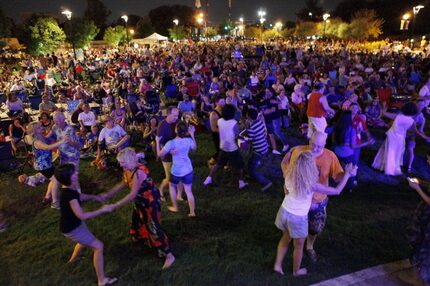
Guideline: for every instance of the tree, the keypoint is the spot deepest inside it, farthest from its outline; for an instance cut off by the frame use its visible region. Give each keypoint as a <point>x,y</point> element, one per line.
<point>270,34</point>
<point>45,36</point>
<point>210,32</point>
<point>365,24</point>
<point>114,35</point>
<point>252,32</point>
<point>178,33</point>
<point>311,7</point>
<point>287,32</point>
<point>306,29</point>
<point>6,25</point>
<point>81,32</point>
<point>98,13</point>
<point>162,17</point>
<point>144,27</point>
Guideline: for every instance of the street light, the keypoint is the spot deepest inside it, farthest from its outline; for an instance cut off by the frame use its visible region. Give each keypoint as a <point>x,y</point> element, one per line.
<point>125,18</point>
<point>325,18</point>
<point>415,10</point>
<point>176,22</point>
<point>68,15</point>
<point>200,20</point>
<point>404,23</point>
<point>261,14</point>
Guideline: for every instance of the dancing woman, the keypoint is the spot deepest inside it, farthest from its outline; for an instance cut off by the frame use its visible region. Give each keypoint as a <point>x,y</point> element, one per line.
<point>301,181</point>
<point>145,220</point>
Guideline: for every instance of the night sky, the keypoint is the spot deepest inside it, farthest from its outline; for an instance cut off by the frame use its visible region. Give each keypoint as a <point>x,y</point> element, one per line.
<point>218,9</point>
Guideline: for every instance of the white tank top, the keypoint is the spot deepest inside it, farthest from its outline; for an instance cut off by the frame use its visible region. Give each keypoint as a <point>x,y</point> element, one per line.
<point>226,135</point>
<point>296,205</point>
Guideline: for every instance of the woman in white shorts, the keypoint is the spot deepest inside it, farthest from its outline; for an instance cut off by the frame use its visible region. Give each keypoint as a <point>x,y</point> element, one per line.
<point>301,181</point>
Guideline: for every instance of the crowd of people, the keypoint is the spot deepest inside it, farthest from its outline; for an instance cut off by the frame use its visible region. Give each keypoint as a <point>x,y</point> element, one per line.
<point>107,100</point>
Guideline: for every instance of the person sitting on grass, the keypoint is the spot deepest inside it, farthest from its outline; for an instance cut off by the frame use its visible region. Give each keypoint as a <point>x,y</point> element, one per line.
<point>72,219</point>
<point>145,220</point>
<point>182,168</point>
<point>301,181</point>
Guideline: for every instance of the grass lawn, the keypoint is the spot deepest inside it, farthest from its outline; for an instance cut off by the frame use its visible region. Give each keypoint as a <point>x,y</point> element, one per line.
<point>231,242</point>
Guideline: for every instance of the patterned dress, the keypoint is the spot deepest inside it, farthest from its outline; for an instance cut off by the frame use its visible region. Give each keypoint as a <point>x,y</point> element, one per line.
<point>419,238</point>
<point>145,220</point>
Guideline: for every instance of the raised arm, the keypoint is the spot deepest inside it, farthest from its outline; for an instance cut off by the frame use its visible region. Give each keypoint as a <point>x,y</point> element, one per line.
<point>350,170</point>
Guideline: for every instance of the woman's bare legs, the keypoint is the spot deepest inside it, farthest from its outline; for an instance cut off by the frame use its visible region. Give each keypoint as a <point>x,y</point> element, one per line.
<point>190,198</point>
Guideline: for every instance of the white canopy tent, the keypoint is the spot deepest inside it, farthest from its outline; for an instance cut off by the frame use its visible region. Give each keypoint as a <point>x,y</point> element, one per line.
<point>150,40</point>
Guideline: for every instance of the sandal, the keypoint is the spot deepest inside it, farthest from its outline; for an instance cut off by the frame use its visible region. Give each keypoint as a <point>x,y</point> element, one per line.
<point>109,281</point>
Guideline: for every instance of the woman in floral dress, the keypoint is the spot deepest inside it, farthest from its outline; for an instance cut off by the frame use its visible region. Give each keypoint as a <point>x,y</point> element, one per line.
<point>145,222</point>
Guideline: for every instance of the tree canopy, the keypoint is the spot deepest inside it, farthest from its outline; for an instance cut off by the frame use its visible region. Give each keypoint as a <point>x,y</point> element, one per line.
<point>81,32</point>
<point>162,17</point>
<point>97,12</point>
<point>46,36</point>
<point>114,35</point>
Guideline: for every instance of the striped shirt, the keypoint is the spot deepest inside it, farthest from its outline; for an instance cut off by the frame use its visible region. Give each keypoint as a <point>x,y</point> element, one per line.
<point>257,136</point>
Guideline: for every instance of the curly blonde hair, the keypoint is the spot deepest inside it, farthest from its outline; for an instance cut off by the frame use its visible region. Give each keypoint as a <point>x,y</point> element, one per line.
<point>302,174</point>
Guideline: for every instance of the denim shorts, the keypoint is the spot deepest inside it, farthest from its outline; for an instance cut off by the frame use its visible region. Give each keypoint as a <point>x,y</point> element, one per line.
<point>297,226</point>
<point>81,235</point>
<point>318,217</point>
<point>186,180</point>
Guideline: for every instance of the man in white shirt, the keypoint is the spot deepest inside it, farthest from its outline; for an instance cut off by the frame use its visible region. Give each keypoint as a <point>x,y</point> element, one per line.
<point>87,118</point>
<point>112,138</point>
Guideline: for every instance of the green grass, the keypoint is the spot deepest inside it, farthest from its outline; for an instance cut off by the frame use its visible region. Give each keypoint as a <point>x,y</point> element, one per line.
<point>231,242</point>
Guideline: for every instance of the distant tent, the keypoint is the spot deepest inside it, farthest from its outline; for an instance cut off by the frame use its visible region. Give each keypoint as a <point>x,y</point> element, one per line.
<point>150,40</point>
<point>156,37</point>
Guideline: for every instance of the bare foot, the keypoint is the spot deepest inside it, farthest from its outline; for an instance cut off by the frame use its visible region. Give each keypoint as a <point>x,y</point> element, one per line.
<point>172,209</point>
<point>192,215</point>
<point>179,198</point>
<point>300,272</point>
<point>169,261</point>
<point>278,269</point>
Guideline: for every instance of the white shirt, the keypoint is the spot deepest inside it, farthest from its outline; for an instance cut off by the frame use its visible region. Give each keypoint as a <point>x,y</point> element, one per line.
<point>226,135</point>
<point>181,163</point>
<point>294,204</point>
<point>111,135</point>
<point>88,119</point>
<point>424,91</point>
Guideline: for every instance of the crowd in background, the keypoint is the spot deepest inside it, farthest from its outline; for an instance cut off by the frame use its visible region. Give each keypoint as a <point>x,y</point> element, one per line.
<point>333,93</point>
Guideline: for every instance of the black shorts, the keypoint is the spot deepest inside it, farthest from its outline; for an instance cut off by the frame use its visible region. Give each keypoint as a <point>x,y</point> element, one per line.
<point>234,158</point>
<point>48,173</point>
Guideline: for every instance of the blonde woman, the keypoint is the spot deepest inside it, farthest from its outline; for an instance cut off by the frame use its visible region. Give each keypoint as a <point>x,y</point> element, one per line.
<point>43,160</point>
<point>301,181</point>
<point>145,221</point>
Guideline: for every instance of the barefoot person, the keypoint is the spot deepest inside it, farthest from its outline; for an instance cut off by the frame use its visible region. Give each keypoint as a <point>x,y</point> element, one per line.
<point>182,168</point>
<point>301,181</point>
<point>145,220</point>
<point>329,167</point>
<point>73,216</point>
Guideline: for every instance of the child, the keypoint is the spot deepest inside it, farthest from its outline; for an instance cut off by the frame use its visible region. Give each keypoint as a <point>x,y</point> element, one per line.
<point>32,181</point>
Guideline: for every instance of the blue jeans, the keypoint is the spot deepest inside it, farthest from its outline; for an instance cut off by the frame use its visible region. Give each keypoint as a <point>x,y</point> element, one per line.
<point>253,163</point>
<point>276,123</point>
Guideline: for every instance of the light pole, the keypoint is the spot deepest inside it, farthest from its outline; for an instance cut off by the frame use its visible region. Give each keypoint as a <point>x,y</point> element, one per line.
<point>176,22</point>
<point>241,27</point>
<point>325,18</point>
<point>262,14</point>
<point>200,21</point>
<point>416,10</point>
<point>404,24</point>
<point>125,18</point>
<point>68,15</point>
